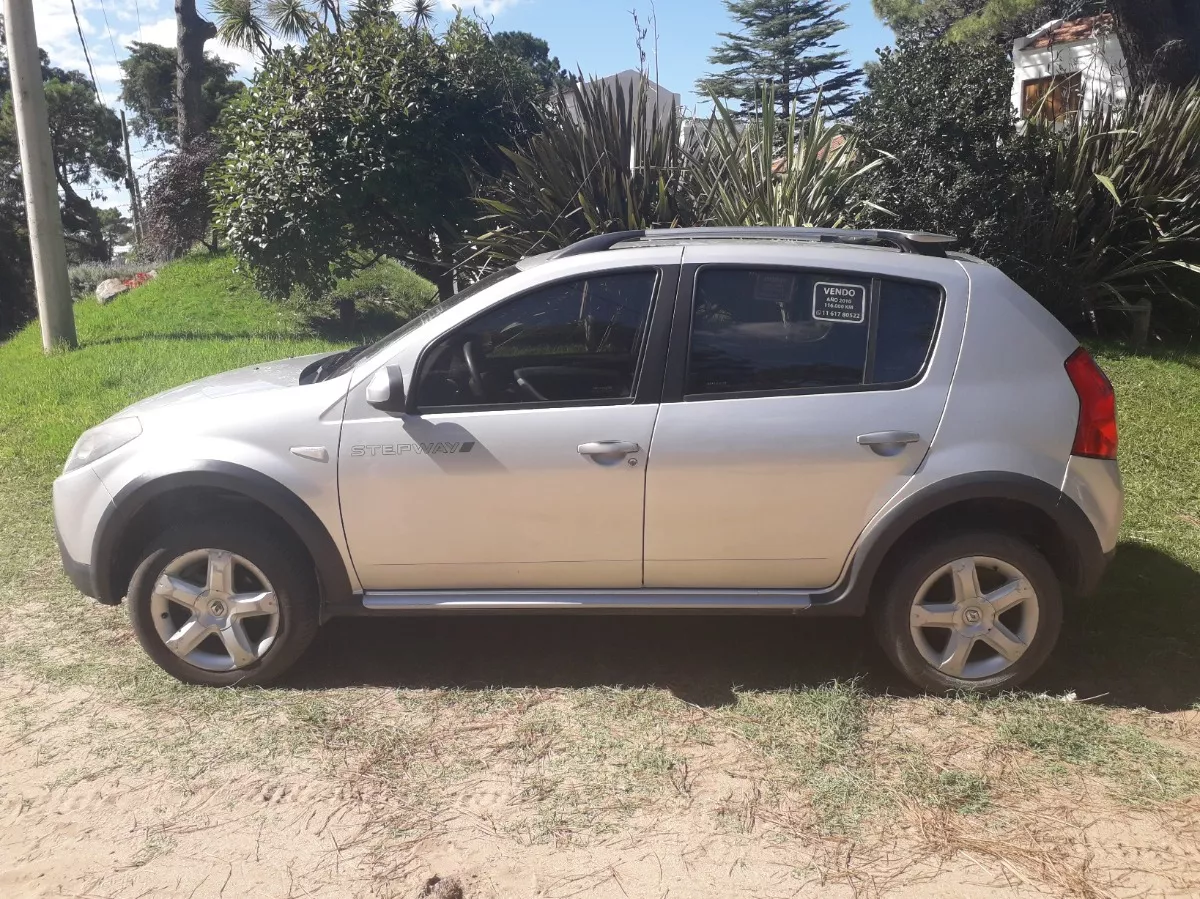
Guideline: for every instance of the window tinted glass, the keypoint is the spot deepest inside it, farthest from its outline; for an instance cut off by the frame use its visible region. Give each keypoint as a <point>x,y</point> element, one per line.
<point>777,330</point>
<point>908,317</point>
<point>578,340</point>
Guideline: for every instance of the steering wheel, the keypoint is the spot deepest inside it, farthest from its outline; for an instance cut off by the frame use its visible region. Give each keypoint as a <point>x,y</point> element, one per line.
<point>471,355</point>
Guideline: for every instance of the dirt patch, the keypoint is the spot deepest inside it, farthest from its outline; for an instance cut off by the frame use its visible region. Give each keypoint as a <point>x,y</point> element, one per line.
<point>489,791</point>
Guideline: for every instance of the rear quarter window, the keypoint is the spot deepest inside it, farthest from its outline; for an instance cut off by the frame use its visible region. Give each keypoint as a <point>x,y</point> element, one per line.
<point>907,325</point>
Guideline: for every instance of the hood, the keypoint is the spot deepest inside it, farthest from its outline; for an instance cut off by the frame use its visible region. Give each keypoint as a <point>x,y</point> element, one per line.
<point>252,379</point>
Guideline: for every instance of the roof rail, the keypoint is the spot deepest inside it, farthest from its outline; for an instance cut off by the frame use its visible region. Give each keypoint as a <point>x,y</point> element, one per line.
<point>921,243</point>
<point>601,242</point>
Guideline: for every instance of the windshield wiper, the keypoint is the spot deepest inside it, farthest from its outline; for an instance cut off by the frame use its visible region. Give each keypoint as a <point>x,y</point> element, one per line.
<point>331,365</point>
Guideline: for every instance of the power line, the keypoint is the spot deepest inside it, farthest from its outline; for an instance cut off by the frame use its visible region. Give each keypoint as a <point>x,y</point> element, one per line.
<point>138,10</point>
<point>86,56</point>
<point>111,42</point>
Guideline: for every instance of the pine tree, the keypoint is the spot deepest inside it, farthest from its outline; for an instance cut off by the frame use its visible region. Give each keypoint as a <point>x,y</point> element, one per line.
<point>785,43</point>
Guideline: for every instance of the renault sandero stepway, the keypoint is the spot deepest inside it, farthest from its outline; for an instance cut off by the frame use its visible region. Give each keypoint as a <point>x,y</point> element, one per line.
<point>792,421</point>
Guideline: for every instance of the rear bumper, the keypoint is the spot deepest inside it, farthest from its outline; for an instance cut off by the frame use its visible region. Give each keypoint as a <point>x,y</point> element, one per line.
<point>1091,575</point>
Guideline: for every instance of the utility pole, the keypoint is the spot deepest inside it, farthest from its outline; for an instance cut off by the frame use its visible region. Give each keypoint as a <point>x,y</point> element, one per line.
<point>37,170</point>
<point>135,198</point>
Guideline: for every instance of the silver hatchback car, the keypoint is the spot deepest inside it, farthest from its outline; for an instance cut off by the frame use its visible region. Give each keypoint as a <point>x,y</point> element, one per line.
<point>799,421</point>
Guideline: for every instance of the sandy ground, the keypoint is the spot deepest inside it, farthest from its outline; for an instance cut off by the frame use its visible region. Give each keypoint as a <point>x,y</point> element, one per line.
<point>77,818</point>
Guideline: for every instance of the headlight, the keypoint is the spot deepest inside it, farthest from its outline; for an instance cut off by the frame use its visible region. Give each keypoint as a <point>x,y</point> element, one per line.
<point>102,440</point>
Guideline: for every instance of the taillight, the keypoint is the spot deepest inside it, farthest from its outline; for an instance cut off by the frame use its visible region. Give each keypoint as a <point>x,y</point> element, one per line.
<point>1096,433</point>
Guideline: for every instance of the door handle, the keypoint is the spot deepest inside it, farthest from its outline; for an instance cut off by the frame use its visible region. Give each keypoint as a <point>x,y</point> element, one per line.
<point>888,443</point>
<point>888,437</point>
<point>608,448</point>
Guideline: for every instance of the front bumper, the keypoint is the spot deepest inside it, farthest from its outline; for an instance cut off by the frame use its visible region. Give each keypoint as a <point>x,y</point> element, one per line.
<point>80,504</point>
<point>80,573</point>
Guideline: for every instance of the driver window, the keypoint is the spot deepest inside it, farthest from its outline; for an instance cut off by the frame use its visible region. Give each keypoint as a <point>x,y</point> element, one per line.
<point>571,341</point>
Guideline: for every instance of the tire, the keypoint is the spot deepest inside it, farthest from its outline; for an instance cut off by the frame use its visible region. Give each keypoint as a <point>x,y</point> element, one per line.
<point>913,641</point>
<point>267,634</point>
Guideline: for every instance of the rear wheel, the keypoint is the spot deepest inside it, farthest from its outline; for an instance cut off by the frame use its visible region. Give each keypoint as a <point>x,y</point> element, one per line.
<point>223,604</point>
<point>972,612</point>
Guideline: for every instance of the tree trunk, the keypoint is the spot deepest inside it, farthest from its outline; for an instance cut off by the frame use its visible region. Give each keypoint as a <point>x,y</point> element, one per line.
<point>192,32</point>
<point>1160,39</point>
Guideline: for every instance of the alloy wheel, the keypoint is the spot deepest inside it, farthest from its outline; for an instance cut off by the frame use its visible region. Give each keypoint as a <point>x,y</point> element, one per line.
<point>974,617</point>
<point>215,610</point>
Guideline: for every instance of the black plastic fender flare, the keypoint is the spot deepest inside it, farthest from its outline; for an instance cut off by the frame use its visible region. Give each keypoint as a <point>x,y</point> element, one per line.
<point>233,478</point>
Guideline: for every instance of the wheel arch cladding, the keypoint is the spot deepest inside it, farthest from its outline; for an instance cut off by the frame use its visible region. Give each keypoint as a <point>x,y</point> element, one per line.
<point>986,501</point>
<point>199,487</point>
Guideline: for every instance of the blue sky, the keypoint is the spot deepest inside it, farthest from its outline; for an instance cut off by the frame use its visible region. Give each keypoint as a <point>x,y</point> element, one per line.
<point>596,36</point>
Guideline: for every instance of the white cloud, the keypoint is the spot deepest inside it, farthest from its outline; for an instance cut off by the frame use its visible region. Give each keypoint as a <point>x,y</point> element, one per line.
<point>162,31</point>
<point>159,31</point>
<point>55,25</point>
<point>484,8</point>
<point>109,74</point>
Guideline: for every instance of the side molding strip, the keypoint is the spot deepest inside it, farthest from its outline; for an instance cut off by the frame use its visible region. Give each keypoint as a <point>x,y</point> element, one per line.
<point>583,600</point>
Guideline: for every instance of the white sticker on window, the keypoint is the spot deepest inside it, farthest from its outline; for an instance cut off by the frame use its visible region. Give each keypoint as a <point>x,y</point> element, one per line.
<point>839,302</point>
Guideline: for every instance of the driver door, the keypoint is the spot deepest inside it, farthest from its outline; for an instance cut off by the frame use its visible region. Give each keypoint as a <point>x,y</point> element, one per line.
<point>524,467</point>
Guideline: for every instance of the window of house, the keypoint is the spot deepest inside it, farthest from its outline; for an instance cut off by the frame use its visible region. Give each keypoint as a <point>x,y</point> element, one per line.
<point>573,341</point>
<point>767,330</point>
<point>1052,98</point>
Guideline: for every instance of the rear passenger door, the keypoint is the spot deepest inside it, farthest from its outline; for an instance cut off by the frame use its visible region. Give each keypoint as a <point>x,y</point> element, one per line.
<point>798,401</point>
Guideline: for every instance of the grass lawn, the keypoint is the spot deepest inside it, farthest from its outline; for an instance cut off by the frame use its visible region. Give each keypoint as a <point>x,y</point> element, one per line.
<point>759,729</point>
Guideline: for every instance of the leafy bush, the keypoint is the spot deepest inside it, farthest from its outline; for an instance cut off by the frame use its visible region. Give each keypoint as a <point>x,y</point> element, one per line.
<point>178,207</point>
<point>365,142</point>
<point>1119,220</point>
<point>605,159</point>
<point>801,172</point>
<point>384,289</point>
<point>940,121</point>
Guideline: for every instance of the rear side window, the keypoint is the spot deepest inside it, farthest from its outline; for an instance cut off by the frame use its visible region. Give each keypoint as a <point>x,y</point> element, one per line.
<point>776,330</point>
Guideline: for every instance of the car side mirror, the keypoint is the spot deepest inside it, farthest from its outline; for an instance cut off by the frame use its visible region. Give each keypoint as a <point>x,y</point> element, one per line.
<point>385,390</point>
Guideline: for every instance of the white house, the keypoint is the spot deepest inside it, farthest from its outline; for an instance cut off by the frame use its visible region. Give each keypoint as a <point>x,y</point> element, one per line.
<point>1068,66</point>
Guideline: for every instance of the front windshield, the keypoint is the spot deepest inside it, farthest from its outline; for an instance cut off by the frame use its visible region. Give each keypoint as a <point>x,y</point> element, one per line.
<point>428,315</point>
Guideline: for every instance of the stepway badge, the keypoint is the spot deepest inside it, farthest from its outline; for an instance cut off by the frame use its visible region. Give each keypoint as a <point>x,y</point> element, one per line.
<point>839,302</point>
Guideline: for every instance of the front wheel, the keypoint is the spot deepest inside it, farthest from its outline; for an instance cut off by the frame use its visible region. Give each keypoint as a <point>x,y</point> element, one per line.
<point>977,612</point>
<point>220,604</point>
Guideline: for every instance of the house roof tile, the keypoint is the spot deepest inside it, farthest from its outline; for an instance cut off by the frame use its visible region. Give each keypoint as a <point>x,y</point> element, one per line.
<point>1072,30</point>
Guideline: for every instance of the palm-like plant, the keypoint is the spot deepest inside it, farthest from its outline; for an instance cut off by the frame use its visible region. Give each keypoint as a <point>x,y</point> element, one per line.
<point>251,24</point>
<point>795,172</point>
<point>420,13</point>
<point>1121,222</point>
<point>606,159</point>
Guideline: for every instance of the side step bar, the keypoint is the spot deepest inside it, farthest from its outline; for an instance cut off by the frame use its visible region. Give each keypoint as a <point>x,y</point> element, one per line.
<point>588,600</point>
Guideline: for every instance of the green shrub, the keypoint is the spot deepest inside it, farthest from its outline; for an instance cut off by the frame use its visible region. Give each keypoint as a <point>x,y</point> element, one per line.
<point>363,142</point>
<point>940,122</point>
<point>386,283</point>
